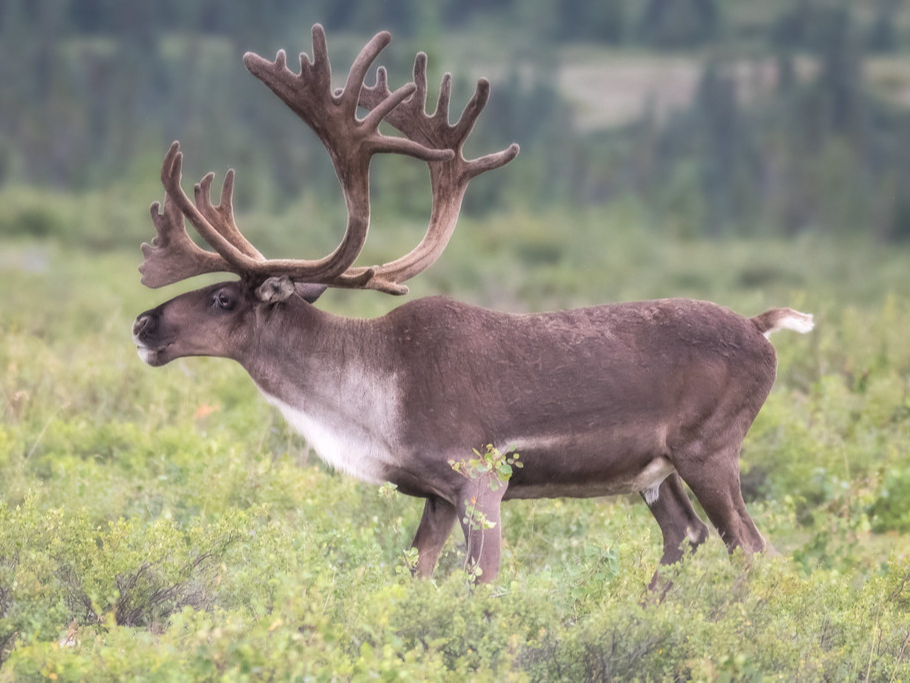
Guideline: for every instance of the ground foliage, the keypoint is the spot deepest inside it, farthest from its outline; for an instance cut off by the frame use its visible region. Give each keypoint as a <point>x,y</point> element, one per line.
<point>166,524</point>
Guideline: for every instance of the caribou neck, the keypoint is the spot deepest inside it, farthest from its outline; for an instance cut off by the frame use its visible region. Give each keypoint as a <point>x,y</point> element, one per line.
<point>331,379</point>
<point>300,349</point>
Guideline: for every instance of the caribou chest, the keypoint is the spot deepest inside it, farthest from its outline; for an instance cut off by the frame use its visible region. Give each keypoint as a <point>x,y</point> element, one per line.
<point>350,423</point>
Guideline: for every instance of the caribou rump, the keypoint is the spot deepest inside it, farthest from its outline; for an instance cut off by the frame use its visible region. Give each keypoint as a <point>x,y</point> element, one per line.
<point>622,398</point>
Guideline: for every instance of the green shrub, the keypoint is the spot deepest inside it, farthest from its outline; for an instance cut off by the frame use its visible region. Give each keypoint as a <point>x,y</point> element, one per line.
<point>890,511</point>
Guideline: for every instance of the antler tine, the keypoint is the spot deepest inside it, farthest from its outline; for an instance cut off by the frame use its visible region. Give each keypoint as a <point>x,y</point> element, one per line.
<point>472,109</point>
<point>358,71</point>
<point>321,53</point>
<point>445,92</point>
<point>420,80</point>
<point>465,126</point>
<point>222,216</point>
<point>173,256</point>
<point>489,162</point>
<point>372,95</point>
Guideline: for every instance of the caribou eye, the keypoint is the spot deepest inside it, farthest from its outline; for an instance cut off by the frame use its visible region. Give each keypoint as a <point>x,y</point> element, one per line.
<point>223,301</point>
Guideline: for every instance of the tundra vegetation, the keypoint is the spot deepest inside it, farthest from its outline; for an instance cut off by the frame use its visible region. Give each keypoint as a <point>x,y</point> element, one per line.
<point>168,525</point>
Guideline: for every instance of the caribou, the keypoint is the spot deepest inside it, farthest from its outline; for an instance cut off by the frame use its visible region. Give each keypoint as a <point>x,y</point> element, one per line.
<point>638,397</point>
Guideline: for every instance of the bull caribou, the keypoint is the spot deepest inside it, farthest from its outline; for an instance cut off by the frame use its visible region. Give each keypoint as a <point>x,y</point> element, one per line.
<point>631,397</point>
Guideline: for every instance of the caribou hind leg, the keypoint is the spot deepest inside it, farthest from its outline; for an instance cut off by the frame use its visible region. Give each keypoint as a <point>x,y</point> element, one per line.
<point>715,483</point>
<point>678,523</point>
<point>677,519</point>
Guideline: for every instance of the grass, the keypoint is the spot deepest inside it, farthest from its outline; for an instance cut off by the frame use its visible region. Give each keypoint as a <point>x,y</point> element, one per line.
<point>167,525</point>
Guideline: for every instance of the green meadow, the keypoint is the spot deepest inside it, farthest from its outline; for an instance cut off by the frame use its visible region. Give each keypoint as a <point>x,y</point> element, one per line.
<point>165,524</point>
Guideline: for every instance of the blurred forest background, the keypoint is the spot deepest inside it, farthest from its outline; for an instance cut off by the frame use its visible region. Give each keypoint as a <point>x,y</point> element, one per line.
<point>713,117</point>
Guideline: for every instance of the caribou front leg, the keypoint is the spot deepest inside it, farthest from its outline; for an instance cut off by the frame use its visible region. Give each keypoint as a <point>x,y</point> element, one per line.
<point>432,532</point>
<point>481,523</point>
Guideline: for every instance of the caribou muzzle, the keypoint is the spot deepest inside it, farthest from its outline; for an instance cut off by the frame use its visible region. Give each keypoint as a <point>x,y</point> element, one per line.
<point>152,351</point>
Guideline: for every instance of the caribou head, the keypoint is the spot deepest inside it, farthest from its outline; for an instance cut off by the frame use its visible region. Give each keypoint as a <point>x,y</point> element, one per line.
<point>626,398</point>
<point>220,320</point>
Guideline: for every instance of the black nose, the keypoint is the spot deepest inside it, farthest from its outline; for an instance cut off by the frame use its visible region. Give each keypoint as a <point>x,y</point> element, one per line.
<point>145,324</point>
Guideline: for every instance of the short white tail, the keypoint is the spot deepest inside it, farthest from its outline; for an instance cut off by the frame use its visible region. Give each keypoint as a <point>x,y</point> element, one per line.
<point>791,320</point>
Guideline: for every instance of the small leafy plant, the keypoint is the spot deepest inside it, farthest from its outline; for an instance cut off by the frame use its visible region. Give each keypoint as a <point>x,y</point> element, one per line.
<point>492,466</point>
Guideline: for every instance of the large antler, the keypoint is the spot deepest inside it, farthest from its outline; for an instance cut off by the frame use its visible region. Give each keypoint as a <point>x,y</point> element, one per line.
<point>351,142</point>
<point>448,178</point>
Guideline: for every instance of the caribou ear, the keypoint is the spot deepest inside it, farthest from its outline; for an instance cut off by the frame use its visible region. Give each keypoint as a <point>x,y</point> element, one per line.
<point>278,289</point>
<point>275,290</point>
<point>310,291</point>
